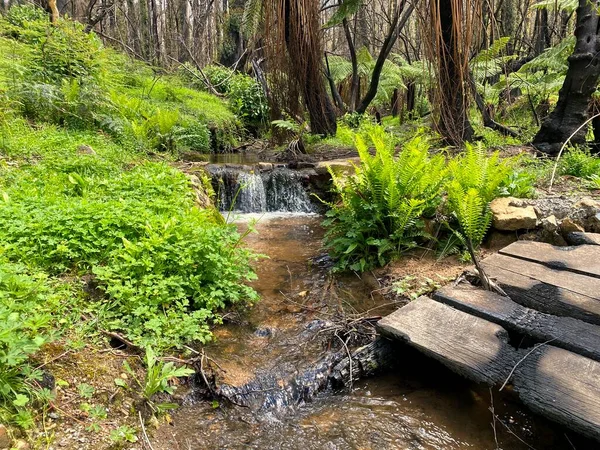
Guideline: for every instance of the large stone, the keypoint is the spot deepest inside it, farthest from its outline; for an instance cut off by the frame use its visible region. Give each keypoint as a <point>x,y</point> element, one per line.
<point>511,214</point>
<point>4,438</point>
<point>337,166</point>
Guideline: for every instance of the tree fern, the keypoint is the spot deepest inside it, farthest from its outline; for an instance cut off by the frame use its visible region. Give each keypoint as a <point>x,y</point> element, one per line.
<point>252,17</point>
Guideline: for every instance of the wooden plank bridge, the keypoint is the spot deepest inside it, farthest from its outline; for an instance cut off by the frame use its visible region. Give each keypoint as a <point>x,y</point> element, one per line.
<point>553,301</point>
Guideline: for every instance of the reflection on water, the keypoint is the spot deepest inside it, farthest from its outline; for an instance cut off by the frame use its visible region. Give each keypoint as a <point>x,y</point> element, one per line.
<point>420,405</point>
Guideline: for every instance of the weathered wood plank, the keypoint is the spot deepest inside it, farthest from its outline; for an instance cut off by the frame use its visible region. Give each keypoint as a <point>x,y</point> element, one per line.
<point>562,386</point>
<point>547,290</point>
<point>565,332</point>
<point>582,259</point>
<point>468,345</point>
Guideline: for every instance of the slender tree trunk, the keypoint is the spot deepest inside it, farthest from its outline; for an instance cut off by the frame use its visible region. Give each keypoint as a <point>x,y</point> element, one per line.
<point>395,27</point>
<point>354,83</point>
<point>580,83</point>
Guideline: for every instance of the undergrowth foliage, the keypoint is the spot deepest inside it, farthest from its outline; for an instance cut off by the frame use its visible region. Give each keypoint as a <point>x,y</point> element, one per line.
<point>93,236</point>
<point>476,179</point>
<point>381,208</point>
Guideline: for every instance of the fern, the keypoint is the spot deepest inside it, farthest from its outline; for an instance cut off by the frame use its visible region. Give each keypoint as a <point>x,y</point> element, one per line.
<point>381,207</point>
<point>252,17</point>
<point>476,179</point>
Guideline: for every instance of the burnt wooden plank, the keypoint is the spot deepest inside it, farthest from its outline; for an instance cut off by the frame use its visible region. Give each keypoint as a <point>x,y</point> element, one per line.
<point>565,332</point>
<point>468,345</point>
<point>547,290</point>
<point>582,259</point>
<point>563,386</point>
<point>580,238</point>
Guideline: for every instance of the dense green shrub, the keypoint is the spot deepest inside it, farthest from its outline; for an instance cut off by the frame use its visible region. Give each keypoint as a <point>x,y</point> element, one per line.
<point>245,94</point>
<point>248,100</point>
<point>66,51</point>
<point>26,23</point>
<point>219,77</point>
<point>381,207</point>
<point>165,265</point>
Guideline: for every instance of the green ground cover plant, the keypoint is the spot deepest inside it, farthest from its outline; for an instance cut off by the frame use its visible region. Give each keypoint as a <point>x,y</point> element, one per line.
<point>97,231</point>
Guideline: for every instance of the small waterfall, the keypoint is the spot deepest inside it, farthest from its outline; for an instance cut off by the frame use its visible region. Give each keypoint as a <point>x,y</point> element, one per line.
<point>245,190</point>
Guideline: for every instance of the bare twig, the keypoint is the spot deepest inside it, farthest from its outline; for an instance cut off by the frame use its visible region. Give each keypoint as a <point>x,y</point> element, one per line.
<point>563,148</point>
<point>512,432</point>
<point>523,359</point>
<point>144,434</point>
<point>493,419</point>
<point>349,358</point>
<point>53,359</point>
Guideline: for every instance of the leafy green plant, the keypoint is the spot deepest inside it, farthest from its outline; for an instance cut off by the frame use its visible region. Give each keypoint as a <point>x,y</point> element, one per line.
<point>380,211</point>
<point>475,181</point>
<point>158,380</point>
<point>26,300</point>
<point>123,434</point>
<point>579,163</point>
<point>248,100</point>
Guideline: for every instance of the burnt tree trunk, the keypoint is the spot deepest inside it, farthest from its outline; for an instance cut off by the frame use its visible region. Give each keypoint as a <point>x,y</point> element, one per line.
<point>572,108</point>
<point>453,122</point>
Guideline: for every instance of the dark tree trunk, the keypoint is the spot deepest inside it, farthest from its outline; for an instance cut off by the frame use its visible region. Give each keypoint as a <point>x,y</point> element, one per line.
<point>355,81</point>
<point>395,28</point>
<point>395,103</point>
<point>411,96</point>
<point>572,108</point>
<point>453,123</point>
<point>541,32</point>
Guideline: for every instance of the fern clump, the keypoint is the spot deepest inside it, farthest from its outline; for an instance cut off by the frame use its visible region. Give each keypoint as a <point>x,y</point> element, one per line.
<point>476,179</point>
<point>381,207</point>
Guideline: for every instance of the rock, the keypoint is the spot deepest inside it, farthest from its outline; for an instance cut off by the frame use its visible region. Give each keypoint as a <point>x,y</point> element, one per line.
<point>305,165</point>
<point>21,445</point>
<point>85,149</point>
<point>550,224</point>
<point>264,167</point>
<point>590,204</point>
<point>337,165</point>
<point>4,438</point>
<point>202,199</point>
<point>578,238</point>
<point>511,214</point>
<point>499,239</point>
<point>569,226</point>
<point>550,232</point>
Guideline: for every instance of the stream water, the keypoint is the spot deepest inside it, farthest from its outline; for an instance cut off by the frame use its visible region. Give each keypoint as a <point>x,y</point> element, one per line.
<point>417,405</point>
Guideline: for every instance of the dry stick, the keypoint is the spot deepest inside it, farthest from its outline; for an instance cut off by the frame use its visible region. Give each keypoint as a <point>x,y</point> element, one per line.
<point>491,408</point>
<point>523,359</point>
<point>53,359</point>
<point>569,441</point>
<point>349,358</point>
<point>146,440</point>
<point>563,148</point>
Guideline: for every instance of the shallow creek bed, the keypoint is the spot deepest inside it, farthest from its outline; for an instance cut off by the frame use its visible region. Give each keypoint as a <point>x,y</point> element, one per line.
<point>278,373</point>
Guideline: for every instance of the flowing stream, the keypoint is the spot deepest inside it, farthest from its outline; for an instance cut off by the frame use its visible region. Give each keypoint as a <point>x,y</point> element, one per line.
<point>284,340</point>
